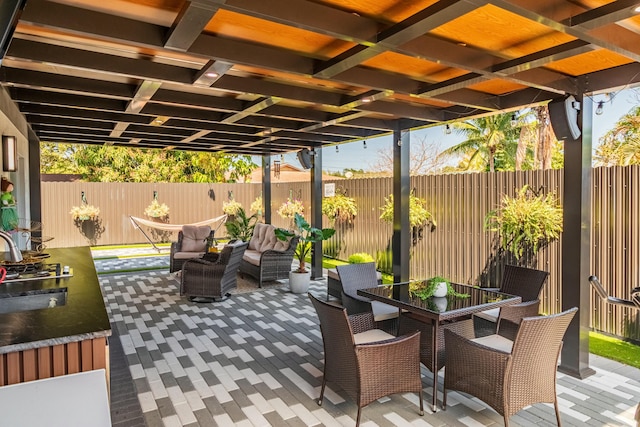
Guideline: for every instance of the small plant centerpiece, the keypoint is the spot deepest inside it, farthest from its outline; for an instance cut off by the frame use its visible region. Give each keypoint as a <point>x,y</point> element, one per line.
<point>436,286</point>
<point>306,236</point>
<point>241,226</point>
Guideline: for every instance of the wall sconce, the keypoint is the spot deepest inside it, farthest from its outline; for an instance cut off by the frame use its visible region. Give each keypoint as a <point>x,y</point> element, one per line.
<point>9,153</point>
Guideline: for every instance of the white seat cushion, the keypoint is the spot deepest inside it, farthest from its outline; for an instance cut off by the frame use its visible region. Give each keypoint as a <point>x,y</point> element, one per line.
<point>495,341</point>
<point>382,311</point>
<point>490,315</point>
<point>372,335</point>
<point>188,255</point>
<point>252,257</point>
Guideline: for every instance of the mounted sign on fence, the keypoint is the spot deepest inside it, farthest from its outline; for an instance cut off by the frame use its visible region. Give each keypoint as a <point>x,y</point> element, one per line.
<point>329,189</point>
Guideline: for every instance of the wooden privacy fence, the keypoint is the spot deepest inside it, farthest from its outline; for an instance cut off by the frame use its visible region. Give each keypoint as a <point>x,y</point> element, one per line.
<point>459,247</point>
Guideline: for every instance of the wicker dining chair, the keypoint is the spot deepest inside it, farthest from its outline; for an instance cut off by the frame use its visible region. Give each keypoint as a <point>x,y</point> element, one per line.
<point>212,277</point>
<point>509,375</point>
<point>525,282</point>
<point>361,276</point>
<point>367,363</point>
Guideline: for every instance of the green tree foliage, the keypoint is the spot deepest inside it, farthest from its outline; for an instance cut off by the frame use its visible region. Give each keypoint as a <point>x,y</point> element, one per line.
<point>491,142</point>
<point>99,163</point>
<point>621,145</point>
<point>58,158</point>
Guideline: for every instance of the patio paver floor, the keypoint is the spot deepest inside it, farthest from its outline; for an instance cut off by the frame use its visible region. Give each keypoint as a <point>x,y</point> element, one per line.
<point>256,360</point>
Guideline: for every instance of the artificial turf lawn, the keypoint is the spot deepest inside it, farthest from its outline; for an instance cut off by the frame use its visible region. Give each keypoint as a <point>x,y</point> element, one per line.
<point>614,349</point>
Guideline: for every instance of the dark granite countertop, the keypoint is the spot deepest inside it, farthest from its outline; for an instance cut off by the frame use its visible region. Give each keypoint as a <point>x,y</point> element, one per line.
<point>82,317</point>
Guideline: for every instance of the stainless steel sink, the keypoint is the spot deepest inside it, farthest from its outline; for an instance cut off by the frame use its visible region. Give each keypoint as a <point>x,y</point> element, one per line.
<point>33,300</point>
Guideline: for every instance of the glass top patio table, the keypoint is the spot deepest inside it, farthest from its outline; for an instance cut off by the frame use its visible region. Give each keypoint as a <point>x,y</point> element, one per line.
<point>436,311</point>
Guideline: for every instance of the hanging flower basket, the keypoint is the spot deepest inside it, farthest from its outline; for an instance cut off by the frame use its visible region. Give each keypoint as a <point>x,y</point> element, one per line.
<point>85,212</point>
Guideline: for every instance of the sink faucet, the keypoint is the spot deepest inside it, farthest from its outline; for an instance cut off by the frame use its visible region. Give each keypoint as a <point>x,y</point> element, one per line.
<point>14,252</point>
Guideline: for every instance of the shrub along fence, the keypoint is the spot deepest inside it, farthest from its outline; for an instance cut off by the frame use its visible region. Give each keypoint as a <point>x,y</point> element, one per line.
<point>459,247</point>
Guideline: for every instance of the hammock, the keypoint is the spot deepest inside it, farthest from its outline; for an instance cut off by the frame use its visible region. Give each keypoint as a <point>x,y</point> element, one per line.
<point>137,222</point>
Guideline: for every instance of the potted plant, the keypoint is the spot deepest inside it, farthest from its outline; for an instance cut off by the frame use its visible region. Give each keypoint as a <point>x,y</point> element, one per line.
<point>419,216</point>
<point>340,209</point>
<point>84,212</point>
<point>526,222</point>
<point>231,208</point>
<point>291,208</point>
<point>436,287</point>
<point>241,226</point>
<point>300,278</point>
<point>256,206</point>
<point>158,212</point>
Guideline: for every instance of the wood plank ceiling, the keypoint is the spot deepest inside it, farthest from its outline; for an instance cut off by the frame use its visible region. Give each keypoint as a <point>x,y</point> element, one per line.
<point>272,76</point>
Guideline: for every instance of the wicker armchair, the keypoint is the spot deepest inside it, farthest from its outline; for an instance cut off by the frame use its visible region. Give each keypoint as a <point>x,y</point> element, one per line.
<point>366,363</point>
<point>192,243</point>
<point>212,278</point>
<point>268,258</point>
<point>509,375</point>
<point>362,276</point>
<point>524,282</point>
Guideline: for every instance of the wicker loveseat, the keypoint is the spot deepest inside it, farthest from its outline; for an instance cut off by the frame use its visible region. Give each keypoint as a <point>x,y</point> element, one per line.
<point>267,258</point>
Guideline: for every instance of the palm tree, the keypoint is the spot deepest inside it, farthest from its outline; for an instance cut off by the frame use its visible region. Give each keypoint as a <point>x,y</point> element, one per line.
<point>486,137</point>
<point>621,145</point>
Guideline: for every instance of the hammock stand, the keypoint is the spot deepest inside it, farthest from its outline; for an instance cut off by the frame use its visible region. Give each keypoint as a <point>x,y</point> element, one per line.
<point>138,222</point>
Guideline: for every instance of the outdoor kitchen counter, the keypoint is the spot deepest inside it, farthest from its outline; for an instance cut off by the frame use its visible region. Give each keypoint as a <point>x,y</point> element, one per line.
<point>83,318</point>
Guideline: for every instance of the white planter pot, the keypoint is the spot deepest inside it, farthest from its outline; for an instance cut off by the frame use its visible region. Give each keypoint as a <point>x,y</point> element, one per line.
<point>440,290</point>
<point>440,303</point>
<point>299,282</point>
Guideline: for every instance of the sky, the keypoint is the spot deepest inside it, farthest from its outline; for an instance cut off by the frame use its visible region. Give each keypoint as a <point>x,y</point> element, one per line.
<point>354,155</point>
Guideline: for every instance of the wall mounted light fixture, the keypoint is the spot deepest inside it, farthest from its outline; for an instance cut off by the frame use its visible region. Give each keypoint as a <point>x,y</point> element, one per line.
<point>9,153</point>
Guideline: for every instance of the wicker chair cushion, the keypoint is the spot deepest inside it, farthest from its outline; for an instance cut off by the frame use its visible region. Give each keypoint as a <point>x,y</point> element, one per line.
<point>187,255</point>
<point>490,315</point>
<point>264,239</point>
<point>372,335</point>
<point>259,232</point>
<point>194,239</point>
<point>497,342</point>
<point>281,245</point>
<point>252,257</point>
<point>382,311</point>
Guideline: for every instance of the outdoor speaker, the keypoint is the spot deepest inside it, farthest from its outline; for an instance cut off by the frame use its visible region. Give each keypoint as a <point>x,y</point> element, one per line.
<point>304,157</point>
<point>563,115</point>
